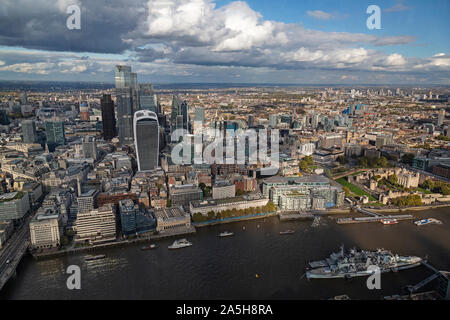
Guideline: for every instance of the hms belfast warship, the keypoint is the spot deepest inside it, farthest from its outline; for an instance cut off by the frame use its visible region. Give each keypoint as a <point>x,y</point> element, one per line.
<point>355,263</point>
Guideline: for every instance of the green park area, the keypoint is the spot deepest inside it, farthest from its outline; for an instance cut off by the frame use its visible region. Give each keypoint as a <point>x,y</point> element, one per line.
<point>354,189</point>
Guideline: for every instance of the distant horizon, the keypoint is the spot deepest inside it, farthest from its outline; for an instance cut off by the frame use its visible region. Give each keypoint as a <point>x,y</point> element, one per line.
<point>245,84</point>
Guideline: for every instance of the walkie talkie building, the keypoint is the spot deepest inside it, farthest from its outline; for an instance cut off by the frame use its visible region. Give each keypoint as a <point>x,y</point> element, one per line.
<point>146,139</point>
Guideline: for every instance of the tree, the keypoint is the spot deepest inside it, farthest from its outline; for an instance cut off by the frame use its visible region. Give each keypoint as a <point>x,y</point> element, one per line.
<point>393,179</point>
<point>347,191</point>
<point>303,165</point>
<point>270,206</point>
<point>207,192</point>
<point>342,160</point>
<point>407,158</point>
<point>363,162</point>
<point>382,162</point>
<point>445,190</point>
<point>428,184</point>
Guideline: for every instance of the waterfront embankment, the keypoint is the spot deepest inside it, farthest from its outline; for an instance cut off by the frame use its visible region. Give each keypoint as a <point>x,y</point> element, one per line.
<point>117,243</point>
<point>234,219</point>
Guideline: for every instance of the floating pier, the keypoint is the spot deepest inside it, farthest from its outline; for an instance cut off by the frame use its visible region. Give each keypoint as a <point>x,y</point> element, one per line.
<point>373,219</point>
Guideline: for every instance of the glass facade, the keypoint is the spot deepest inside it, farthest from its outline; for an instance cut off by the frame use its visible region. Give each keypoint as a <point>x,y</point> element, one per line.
<point>127,101</point>
<point>147,98</point>
<point>54,130</point>
<point>146,140</point>
<point>29,131</point>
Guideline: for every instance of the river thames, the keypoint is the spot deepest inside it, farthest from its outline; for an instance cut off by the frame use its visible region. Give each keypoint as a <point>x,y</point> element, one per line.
<point>255,263</point>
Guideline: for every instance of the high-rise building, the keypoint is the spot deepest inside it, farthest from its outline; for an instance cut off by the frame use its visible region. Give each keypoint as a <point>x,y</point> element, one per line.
<point>127,101</point>
<point>125,115</point>
<point>199,119</point>
<point>146,130</point>
<point>89,147</point>
<point>441,117</point>
<point>84,111</point>
<point>54,130</point>
<point>147,98</point>
<point>24,97</point>
<point>108,117</point>
<point>29,131</point>
<point>315,121</point>
<point>251,121</point>
<point>273,120</point>
<point>185,114</point>
<point>179,108</point>
<point>4,117</point>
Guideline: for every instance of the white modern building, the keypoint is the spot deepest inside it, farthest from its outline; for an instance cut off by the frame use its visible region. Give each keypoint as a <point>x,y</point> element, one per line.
<point>44,230</point>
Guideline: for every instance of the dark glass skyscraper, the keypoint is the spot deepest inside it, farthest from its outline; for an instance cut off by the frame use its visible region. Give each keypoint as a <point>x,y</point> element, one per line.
<point>179,108</point>
<point>54,130</point>
<point>127,101</point>
<point>108,117</point>
<point>146,139</point>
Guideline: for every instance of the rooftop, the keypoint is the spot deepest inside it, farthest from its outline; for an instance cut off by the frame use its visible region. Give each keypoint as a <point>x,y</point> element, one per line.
<point>170,213</point>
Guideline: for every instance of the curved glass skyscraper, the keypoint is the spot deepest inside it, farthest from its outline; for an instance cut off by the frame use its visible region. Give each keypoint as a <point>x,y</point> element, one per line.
<point>146,139</point>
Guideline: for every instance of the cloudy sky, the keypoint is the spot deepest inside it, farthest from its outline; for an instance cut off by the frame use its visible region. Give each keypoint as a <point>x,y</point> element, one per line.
<point>253,41</point>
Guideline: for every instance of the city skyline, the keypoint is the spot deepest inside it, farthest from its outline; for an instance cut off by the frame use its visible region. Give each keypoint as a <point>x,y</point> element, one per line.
<point>209,150</point>
<point>228,42</point>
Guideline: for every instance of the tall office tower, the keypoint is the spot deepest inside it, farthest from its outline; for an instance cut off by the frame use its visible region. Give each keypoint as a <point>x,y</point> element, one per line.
<point>84,111</point>
<point>4,117</point>
<point>315,121</point>
<point>125,115</point>
<point>251,120</point>
<point>89,147</point>
<point>441,117</point>
<point>108,117</point>
<point>54,130</point>
<point>127,102</point>
<point>24,97</point>
<point>273,120</point>
<point>146,141</point>
<point>176,103</point>
<point>185,114</point>
<point>199,118</point>
<point>147,98</point>
<point>29,131</point>
<point>179,122</point>
<point>179,108</point>
<point>159,108</point>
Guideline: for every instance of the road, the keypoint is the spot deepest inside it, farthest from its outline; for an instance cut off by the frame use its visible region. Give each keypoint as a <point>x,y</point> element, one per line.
<point>13,252</point>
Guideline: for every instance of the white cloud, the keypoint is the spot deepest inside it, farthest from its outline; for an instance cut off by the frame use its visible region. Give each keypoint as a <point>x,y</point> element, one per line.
<point>395,60</point>
<point>320,15</point>
<point>37,68</point>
